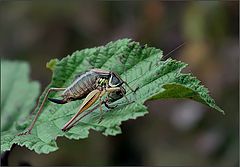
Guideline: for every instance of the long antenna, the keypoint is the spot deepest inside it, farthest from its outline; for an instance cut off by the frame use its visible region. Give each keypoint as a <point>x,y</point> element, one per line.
<point>167,55</point>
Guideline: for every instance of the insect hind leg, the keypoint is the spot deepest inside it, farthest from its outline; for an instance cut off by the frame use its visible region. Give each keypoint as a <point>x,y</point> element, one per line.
<point>40,110</point>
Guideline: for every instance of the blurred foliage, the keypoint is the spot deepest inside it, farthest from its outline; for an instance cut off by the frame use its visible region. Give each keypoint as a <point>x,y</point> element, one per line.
<point>18,94</point>
<point>174,132</point>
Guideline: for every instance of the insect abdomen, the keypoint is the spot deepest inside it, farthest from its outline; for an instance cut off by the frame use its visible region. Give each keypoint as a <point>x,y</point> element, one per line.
<point>82,86</point>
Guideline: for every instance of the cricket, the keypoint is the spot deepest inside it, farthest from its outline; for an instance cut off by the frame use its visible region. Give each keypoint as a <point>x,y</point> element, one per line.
<point>91,85</point>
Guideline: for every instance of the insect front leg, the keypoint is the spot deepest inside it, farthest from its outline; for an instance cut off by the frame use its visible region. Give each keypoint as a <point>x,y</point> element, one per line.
<point>40,110</point>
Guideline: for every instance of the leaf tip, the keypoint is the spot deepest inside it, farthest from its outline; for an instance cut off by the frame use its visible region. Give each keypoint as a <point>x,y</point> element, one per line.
<point>52,64</point>
<point>219,109</point>
<point>222,112</point>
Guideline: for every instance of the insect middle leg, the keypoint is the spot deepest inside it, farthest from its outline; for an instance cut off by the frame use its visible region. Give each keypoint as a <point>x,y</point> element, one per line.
<point>101,110</point>
<point>106,103</point>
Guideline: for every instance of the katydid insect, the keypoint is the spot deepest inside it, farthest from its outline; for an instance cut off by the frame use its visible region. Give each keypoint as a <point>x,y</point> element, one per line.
<point>91,85</point>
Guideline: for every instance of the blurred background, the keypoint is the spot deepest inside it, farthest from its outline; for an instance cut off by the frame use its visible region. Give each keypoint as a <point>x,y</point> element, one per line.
<point>175,132</point>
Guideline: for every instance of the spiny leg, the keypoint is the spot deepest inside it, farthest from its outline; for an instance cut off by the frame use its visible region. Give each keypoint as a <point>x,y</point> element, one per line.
<point>100,105</point>
<point>101,112</point>
<point>74,123</point>
<point>105,102</point>
<point>88,102</point>
<point>40,110</point>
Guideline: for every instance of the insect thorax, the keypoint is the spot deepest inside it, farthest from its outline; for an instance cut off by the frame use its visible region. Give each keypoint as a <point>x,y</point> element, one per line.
<point>102,82</point>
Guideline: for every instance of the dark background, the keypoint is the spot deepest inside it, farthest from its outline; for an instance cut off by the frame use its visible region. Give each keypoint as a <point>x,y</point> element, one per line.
<point>175,132</point>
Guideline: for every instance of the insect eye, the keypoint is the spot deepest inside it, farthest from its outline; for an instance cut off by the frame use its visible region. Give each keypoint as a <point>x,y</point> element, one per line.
<point>115,81</point>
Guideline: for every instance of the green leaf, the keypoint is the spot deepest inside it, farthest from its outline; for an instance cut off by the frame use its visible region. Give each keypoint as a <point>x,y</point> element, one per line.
<point>140,66</point>
<point>18,95</point>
